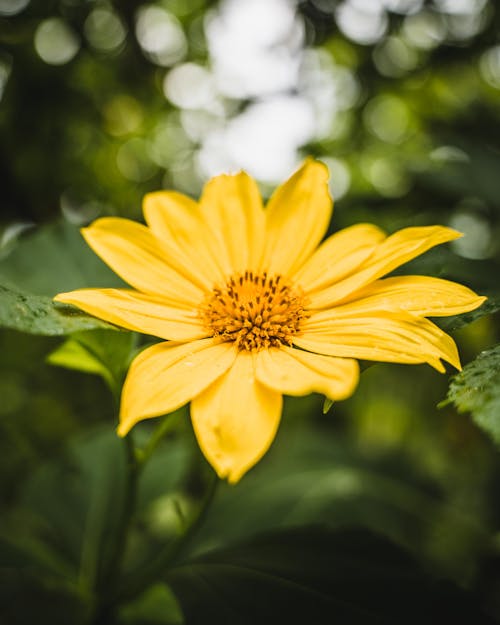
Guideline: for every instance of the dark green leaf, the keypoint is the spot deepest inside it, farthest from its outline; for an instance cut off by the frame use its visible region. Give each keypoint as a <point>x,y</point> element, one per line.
<point>316,576</point>
<point>26,598</point>
<point>313,476</point>
<point>37,314</point>
<point>476,389</point>
<point>36,586</point>
<point>54,259</point>
<point>75,502</point>
<point>490,306</point>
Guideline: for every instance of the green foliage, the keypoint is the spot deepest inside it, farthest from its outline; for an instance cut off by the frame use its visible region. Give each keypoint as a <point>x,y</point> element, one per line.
<point>157,606</point>
<point>37,314</point>
<point>71,509</point>
<point>28,287</point>
<point>314,575</point>
<point>476,389</point>
<point>52,601</point>
<point>102,352</point>
<point>490,306</point>
<point>315,475</point>
<point>68,262</point>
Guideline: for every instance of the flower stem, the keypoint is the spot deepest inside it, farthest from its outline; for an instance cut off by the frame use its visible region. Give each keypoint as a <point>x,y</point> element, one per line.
<point>143,577</point>
<point>167,425</point>
<point>113,565</point>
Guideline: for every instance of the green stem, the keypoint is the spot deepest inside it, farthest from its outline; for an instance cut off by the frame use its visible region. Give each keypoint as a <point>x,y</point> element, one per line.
<point>143,577</point>
<point>129,504</point>
<point>167,425</point>
<point>111,571</point>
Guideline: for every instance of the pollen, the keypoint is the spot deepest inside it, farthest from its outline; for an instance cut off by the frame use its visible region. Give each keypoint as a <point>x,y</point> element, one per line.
<point>255,311</point>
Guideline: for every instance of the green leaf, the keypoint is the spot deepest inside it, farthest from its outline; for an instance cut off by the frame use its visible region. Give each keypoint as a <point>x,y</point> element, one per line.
<point>37,314</point>
<point>316,576</point>
<point>73,355</point>
<point>36,585</point>
<point>476,389</point>
<point>312,476</point>
<point>74,503</point>
<point>102,352</point>
<point>53,259</point>
<point>490,306</point>
<point>26,598</point>
<point>156,606</point>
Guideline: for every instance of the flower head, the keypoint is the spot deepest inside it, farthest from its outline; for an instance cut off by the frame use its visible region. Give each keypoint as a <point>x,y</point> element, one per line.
<point>251,308</point>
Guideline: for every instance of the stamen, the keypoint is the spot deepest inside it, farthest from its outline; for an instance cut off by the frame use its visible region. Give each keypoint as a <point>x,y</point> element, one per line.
<point>255,311</point>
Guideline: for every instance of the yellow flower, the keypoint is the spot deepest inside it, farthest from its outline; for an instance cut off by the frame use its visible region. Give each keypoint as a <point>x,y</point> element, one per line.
<point>251,310</point>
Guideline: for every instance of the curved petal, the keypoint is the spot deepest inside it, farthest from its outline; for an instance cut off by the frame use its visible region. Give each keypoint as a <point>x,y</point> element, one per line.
<point>140,312</point>
<point>297,217</point>
<point>175,220</point>
<point>133,252</point>
<point>295,372</point>
<point>420,295</point>
<point>339,256</point>
<point>164,377</point>
<point>389,337</point>
<point>232,210</point>
<point>235,420</point>
<point>397,249</point>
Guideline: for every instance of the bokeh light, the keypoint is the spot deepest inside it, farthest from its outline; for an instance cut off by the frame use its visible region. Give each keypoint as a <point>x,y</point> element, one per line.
<point>105,30</point>
<point>387,118</point>
<point>340,177</point>
<point>477,240</point>
<point>254,46</point>
<point>404,7</point>
<point>122,114</point>
<point>134,160</point>
<point>263,140</point>
<point>489,66</point>
<point>5,70</point>
<point>425,30</point>
<point>190,86</point>
<point>460,6</point>
<point>393,57</point>
<point>160,35</point>
<point>55,42</point>
<point>12,7</point>
<point>363,22</point>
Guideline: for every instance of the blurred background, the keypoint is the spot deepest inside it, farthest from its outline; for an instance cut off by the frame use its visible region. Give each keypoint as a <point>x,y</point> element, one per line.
<point>102,102</point>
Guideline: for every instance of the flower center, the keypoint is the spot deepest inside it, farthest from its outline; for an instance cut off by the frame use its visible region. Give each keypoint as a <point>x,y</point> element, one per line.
<point>255,311</point>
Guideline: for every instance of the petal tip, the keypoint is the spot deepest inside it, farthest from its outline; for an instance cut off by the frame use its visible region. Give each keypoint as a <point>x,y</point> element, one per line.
<point>124,428</point>
<point>310,163</point>
<point>454,234</point>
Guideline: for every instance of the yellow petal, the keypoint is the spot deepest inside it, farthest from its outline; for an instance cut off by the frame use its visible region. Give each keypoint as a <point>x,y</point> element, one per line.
<point>296,372</point>
<point>340,255</point>
<point>164,377</point>
<point>137,311</point>
<point>421,295</point>
<point>175,220</point>
<point>235,420</point>
<point>232,209</point>
<point>133,252</point>
<point>389,337</point>
<point>297,217</point>
<point>397,249</point>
